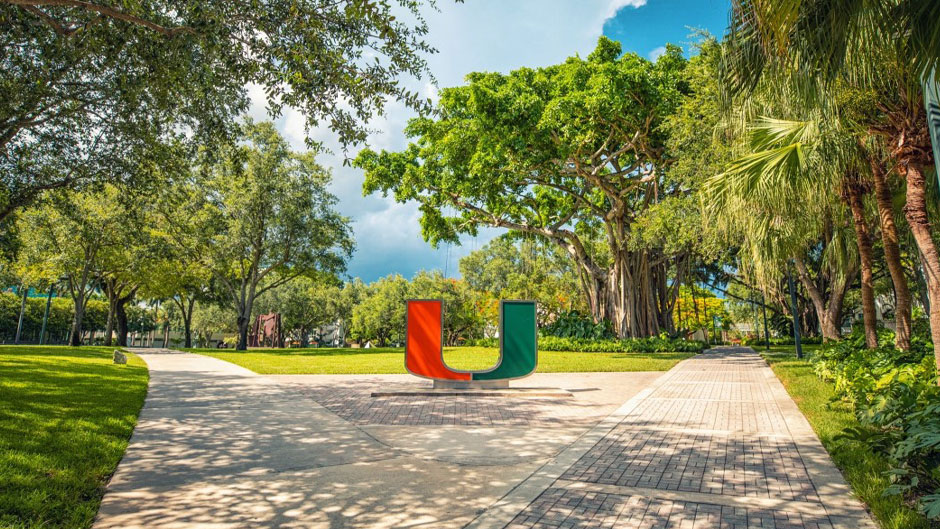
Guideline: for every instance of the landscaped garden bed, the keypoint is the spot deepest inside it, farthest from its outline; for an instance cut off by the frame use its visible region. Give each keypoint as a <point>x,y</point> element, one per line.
<point>877,412</point>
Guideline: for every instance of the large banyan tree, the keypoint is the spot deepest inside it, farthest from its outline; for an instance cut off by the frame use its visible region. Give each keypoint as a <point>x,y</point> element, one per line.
<point>573,153</point>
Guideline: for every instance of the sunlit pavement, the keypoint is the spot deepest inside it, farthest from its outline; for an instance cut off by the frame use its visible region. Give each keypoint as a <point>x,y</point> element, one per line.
<point>219,446</point>
<point>716,443</point>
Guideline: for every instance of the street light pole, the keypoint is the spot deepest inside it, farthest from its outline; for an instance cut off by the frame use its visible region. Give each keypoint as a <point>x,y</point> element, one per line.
<point>45,316</point>
<point>763,306</point>
<point>796,319</point>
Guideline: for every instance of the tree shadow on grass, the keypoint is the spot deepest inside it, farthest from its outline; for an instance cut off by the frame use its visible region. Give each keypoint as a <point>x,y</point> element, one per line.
<point>65,417</point>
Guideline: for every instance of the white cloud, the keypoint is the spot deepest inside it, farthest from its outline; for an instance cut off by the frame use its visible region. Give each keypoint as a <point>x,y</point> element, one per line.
<point>616,5</point>
<point>483,35</point>
<point>656,53</point>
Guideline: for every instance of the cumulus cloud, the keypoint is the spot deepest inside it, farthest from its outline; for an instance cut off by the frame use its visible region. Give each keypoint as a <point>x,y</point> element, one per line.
<point>616,5</point>
<point>656,53</point>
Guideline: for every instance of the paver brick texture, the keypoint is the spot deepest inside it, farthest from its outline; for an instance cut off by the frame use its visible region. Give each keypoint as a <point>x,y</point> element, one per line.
<point>739,465</point>
<point>713,427</point>
<point>358,406</point>
<point>560,508</point>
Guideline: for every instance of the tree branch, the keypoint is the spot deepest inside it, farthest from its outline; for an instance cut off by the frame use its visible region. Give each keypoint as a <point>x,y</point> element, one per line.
<point>117,14</point>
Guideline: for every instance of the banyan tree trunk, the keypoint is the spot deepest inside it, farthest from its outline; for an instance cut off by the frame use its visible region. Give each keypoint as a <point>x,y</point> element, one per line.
<point>633,294</point>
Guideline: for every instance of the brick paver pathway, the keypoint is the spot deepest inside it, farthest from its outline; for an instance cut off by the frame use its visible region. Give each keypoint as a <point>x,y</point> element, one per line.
<point>715,443</point>
<point>355,404</point>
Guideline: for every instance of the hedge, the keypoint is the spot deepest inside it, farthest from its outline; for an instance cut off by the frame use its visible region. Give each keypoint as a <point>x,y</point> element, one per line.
<point>788,340</point>
<point>630,345</point>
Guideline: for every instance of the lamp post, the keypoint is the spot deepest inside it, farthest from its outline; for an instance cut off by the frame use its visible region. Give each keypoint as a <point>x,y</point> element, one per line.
<point>763,306</point>
<point>796,319</point>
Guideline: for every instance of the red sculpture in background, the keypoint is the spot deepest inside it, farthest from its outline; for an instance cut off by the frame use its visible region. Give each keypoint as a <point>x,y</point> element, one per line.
<point>266,332</point>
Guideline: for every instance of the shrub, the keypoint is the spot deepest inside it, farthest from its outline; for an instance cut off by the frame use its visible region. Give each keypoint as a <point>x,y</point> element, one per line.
<point>657,344</point>
<point>573,324</point>
<point>60,317</point>
<point>783,340</point>
<point>897,401</point>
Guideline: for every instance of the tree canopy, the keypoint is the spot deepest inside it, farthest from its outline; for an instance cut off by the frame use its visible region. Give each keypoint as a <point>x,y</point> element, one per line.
<point>93,90</point>
<point>574,153</point>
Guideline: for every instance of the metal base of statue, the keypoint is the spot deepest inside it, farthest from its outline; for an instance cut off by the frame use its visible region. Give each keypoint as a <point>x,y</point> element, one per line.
<point>471,384</point>
<point>475,389</point>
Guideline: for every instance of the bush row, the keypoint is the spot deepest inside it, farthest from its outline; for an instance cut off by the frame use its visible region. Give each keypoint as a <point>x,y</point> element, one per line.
<point>788,340</point>
<point>61,311</point>
<point>631,345</point>
<point>60,317</point>
<point>897,401</point>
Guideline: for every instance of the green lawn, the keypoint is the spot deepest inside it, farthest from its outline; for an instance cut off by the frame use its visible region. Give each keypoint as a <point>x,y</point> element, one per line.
<point>392,360</point>
<point>66,415</point>
<point>863,469</point>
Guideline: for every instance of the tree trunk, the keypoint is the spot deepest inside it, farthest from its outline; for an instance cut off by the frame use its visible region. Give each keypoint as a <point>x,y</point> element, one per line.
<point>243,322</point>
<point>109,327</point>
<point>121,316</point>
<point>889,238</point>
<point>852,190</point>
<point>915,211</point>
<point>828,310</point>
<point>186,309</point>
<point>631,294</point>
<point>75,337</point>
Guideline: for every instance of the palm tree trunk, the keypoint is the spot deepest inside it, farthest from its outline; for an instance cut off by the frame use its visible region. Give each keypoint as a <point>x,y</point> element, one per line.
<point>889,238</point>
<point>916,213</point>
<point>853,193</point>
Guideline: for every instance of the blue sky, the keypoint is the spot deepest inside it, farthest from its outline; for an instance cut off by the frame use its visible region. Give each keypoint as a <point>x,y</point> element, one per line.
<point>485,35</point>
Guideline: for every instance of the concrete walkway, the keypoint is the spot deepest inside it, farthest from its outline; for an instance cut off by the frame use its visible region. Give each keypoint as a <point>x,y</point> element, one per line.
<point>218,446</point>
<point>716,443</point>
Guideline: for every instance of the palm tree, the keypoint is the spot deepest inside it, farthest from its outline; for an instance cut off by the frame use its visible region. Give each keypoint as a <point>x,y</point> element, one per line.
<point>888,46</point>
<point>779,195</point>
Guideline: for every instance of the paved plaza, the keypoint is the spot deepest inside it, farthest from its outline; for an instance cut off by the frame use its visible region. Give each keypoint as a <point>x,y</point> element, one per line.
<point>714,443</point>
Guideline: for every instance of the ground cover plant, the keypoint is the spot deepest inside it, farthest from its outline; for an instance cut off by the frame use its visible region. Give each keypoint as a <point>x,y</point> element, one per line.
<point>392,360</point>
<point>866,467</point>
<point>66,415</point>
<point>896,400</point>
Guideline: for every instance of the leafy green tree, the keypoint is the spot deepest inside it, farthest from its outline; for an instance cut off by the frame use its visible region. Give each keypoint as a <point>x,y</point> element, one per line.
<point>267,218</point>
<point>66,236</point>
<point>573,153</point>
<point>696,309</point>
<point>889,47</point>
<point>463,317</point>
<point>211,319</point>
<point>94,89</point>
<point>526,268</point>
<point>304,305</point>
<point>380,315</point>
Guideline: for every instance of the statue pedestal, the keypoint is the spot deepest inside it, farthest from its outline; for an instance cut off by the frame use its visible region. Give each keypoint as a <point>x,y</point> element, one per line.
<point>471,384</point>
<point>499,389</point>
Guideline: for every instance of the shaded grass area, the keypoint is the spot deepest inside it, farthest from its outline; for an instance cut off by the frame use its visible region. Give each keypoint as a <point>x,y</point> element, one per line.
<point>392,360</point>
<point>863,469</point>
<point>66,415</point>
